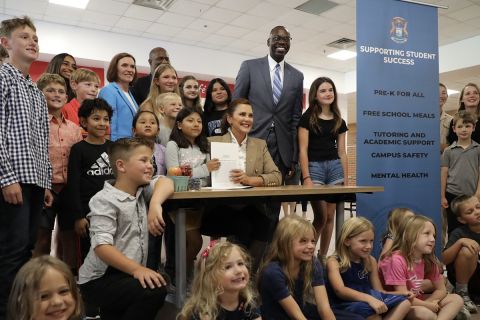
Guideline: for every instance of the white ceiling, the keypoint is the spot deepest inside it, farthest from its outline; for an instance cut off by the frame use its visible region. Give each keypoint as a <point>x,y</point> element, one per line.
<point>242,26</point>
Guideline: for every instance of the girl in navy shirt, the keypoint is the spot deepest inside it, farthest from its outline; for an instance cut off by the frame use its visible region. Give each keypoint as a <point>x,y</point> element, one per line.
<point>291,280</point>
<point>353,281</point>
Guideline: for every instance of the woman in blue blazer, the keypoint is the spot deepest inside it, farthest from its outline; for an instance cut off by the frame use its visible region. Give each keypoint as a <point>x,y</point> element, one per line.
<point>121,73</point>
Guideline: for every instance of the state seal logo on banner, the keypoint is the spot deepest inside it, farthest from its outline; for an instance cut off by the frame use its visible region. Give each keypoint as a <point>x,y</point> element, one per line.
<point>398,32</point>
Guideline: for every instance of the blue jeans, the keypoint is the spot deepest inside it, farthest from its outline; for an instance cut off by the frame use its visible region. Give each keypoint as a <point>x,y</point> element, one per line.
<point>18,233</point>
<point>328,172</point>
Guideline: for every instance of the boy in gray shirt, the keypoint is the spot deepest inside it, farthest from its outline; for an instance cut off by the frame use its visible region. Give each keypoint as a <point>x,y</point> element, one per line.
<point>114,275</point>
<point>460,166</point>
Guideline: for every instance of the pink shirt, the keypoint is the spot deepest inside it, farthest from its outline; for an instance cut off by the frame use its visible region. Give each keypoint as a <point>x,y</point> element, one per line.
<point>62,136</point>
<point>394,272</point>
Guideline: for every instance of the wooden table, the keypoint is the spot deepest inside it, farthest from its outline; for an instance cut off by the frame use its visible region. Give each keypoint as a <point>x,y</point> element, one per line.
<point>291,193</point>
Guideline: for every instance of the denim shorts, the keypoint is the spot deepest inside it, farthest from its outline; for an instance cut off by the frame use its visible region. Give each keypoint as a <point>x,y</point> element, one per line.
<point>326,172</point>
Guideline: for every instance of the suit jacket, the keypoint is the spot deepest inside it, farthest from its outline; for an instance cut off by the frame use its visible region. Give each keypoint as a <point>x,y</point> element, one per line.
<point>141,89</point>
<point>259,162</point>
<point>123,112</point>
<point>253,83</point>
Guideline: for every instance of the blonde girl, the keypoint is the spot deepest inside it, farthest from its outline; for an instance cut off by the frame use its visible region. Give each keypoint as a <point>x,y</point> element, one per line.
<point>221,287</point>
<point>353,280</point>
<point>322,153</point>
<point>44,287</point>
<point>166,107</point>
<point>164,79</point>
<point>395,217</point>
<point>290,280</point>
<point>405,269</point>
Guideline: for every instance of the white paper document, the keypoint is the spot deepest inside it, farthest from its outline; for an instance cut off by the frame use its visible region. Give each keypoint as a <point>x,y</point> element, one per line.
<point>227,154</point>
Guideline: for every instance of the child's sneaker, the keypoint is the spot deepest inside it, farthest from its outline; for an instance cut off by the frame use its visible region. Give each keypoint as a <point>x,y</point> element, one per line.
<point>464,314</point>
<point>467,302</point>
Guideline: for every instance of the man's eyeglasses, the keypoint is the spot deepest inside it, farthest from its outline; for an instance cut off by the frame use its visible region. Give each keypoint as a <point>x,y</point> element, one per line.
<point>281,38</point>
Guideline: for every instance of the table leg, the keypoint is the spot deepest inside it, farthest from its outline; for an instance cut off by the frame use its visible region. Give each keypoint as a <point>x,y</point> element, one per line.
<point>339,217</point>
<point>180,263</point>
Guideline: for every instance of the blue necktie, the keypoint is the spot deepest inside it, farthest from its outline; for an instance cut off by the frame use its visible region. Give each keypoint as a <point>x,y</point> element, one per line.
<point>277,85</point>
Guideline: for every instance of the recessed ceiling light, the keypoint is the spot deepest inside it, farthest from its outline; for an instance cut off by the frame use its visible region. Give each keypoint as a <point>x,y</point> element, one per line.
<point>450,92</point>
<point>342,55</point>
<point>80,4</point>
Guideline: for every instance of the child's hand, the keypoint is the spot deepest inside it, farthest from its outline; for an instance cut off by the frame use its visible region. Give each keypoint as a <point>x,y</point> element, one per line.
<point>433,305</point>
<point>213,165</point>
<point>308,182</point>
<point>444,203</point>
<point>378,306</point>
<point>48,198</point>
<point>155,221</point>
<point>409,294</point>
<point>149,277</point>
<point>81,227</point>
<point>470,244</point>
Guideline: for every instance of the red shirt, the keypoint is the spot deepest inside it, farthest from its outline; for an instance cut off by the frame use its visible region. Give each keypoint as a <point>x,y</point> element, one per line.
<point>70,111</point>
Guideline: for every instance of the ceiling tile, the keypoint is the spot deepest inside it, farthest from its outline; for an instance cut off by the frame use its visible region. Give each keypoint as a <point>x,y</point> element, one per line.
<point>99,18</point>
<point>217,39</point>
<point>241,44</point>
<point>232,31</point>
<point>220,15</point>
<point>340,13</point>
<point>256,36</point>
<point>62,20</point>
<point>33,6</point>
<point>174,19</point>
<point>163,30</point>
<point>156,36</point>
<point>296,18</point>
<point>453,5</point>
<point>132,24</point>
<point>268,10</point>
<point>466,13</point>
<point>190,34</point>
<point>321,24</point>
<point>250,21</point>
<point>206,26</point>
<point>241,6</point>
<point>108,6</point>
<point>188,8</point>
<point>210,2</point>
<point>54,10</point>
<point>19,13</point>
<point>143,13</point>
<point>90,25</point>
<point>287,3</point>
<point>126,31</point>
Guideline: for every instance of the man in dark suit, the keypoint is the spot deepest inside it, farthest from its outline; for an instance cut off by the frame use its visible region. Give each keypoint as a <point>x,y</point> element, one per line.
<point>275,90</point>
<point>141,88</point>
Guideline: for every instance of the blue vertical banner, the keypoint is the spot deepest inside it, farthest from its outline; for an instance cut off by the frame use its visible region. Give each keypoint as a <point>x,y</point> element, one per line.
<point>397,110</point>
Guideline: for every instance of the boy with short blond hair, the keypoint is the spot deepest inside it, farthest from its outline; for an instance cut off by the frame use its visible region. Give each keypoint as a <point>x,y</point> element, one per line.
<point>462,249</point>
<point>114,274</point>
<point>460,166</point>
<point>63,134</point>
<point>85,84</point>
<point>25,171</point>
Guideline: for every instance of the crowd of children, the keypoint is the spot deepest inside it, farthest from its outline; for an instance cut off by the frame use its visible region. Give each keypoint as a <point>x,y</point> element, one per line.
<point>107,198</point>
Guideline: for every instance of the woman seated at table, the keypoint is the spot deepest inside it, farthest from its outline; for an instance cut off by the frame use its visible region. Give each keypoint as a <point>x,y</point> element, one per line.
<point>246,224</point>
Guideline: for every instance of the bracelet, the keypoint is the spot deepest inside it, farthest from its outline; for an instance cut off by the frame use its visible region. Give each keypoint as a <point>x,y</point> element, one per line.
<point>305,178</point>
